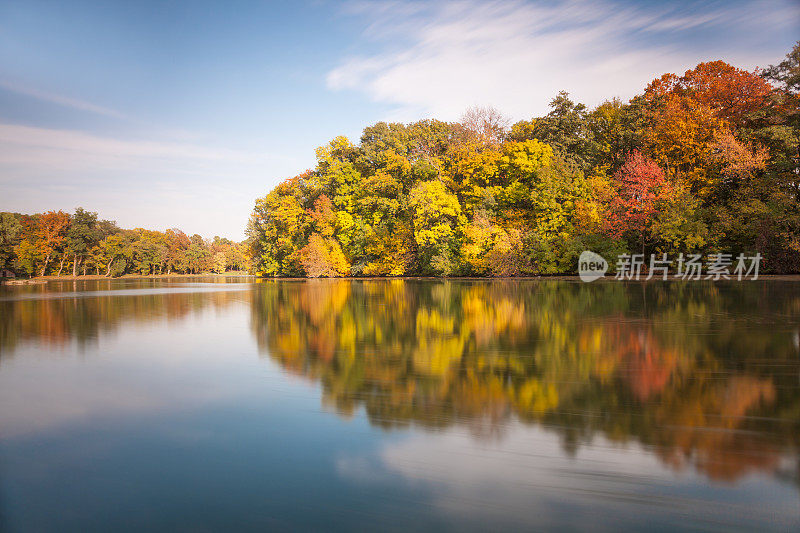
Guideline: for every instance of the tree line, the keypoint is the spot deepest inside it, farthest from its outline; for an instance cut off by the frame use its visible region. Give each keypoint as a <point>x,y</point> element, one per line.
<point>58,243</point>
<point>706,163</point>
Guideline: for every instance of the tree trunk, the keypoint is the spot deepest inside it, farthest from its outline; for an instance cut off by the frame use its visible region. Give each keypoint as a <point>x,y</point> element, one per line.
<point>75,266</point>
<point>46,260</point>
<point>61,266</point>
<point>108,270</point>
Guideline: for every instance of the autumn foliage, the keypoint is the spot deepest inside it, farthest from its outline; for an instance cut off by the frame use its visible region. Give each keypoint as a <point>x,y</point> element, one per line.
<point>59,243</point>
<point>704,162</point>
<point>640,186</point>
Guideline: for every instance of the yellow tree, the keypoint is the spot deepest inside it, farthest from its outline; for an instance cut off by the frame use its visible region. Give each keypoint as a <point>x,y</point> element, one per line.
<point>323,257</point>
<point>490,248</point>
<point>436,214</point>
<point>277,228</point>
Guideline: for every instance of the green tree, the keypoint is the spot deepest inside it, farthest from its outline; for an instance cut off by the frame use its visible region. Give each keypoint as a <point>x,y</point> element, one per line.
<point>10,229</point>
<point>566,128</point>
<point>28,256</point>
<point>112,248</point>
<point>198,255</point>
<point>82,235</point>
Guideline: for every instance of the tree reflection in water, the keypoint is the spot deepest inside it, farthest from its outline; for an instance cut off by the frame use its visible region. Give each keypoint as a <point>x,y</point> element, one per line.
<point>61,313</point>
<point>705,375</point>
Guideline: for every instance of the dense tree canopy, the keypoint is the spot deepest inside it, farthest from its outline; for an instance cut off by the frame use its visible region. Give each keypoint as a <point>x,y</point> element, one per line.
<point>49,243</point>
<point>707,162</point>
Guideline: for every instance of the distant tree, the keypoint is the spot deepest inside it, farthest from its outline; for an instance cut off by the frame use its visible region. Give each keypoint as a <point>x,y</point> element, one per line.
<point>82,235</point>
<point>220,263</point>
<point>780,130</point>
<point>28,256</point>
<point>10,230</point>
<point>112,248</point>
<point>485,124</point>
<point>198,255</point>
<point>177,246</point>
<point>51,229</point>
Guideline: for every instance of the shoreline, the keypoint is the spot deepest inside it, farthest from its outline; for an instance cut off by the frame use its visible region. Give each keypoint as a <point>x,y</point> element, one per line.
<point>550,277</point>
<point>93,277</point>
<point>39,280</point>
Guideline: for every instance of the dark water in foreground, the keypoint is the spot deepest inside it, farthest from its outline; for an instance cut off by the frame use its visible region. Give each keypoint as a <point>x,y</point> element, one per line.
<point>210,405</point>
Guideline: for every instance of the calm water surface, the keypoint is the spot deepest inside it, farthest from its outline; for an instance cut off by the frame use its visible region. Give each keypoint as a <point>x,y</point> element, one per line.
<point>220,404</point>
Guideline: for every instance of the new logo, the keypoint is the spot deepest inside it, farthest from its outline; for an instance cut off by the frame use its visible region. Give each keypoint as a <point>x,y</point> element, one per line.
<point>591,266</point>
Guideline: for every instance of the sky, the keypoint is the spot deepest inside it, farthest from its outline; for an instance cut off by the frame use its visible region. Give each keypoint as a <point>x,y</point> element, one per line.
<point>180,114</point>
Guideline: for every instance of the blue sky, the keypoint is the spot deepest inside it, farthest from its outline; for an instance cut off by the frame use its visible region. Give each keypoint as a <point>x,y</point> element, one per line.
<point>179,114</point>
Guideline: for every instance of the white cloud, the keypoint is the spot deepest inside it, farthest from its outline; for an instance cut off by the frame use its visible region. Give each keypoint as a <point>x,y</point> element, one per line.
<point>139,183</point>
<point>440,59</point>
<point>46,386</point>
<point>61,100</point>
<point>526,480</point>
<point>31,146</point>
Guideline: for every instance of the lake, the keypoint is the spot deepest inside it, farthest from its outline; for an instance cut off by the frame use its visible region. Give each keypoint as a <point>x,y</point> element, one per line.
<point>221,404</point>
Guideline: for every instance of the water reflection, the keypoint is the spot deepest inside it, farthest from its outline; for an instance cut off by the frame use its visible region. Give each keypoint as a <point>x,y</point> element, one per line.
<point>57,314</point>
<point>706,376</point>
<point>76,353</point>
<point>144,405</point>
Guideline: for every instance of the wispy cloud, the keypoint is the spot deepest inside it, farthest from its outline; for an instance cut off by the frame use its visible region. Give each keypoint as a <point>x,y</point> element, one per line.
<point>517,55</point>
<point>150,183</point>
<point>498,485</point>
<point>46,148</point>
<point>61,100</point>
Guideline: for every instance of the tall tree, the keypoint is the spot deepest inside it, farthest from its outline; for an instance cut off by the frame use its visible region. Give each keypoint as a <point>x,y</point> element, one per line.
<point>177,247</point>
<point>10,230</point>
<point>641,184</point>
<point>436,217</point>
<point>565,128</point>
<point>52,228</point>
<point>82,235</point>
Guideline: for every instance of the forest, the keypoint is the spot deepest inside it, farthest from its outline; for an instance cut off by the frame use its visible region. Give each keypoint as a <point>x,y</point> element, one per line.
<point>58,243</point>
<point>706,162</point>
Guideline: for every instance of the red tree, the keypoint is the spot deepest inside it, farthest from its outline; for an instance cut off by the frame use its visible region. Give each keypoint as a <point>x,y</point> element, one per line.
<point>733,94</point>
<point>640,186</point>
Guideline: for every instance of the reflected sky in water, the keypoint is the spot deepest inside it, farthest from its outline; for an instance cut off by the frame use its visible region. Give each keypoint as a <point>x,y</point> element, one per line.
<point>221,403</point>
